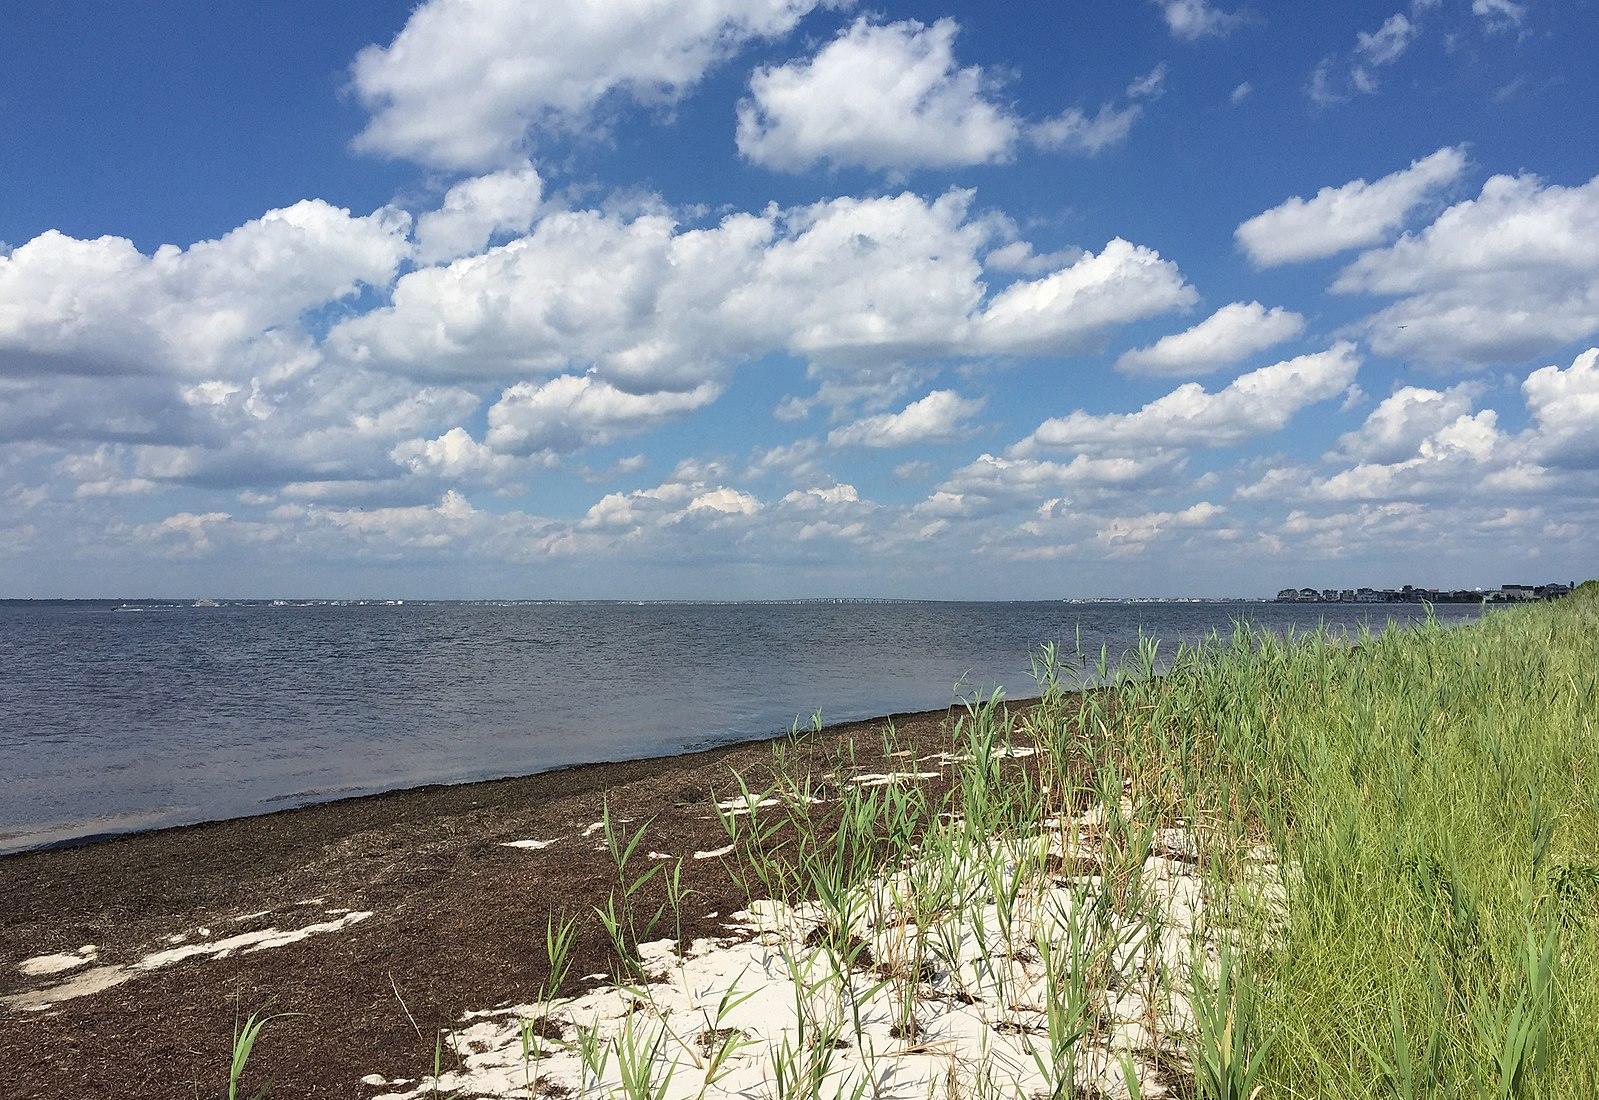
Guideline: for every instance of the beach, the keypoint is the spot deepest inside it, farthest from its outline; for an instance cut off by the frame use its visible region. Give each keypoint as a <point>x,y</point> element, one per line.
<point>457,882</point>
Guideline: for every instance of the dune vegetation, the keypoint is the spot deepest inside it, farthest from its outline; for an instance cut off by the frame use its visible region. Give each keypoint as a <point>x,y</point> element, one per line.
<point>1312,866</point>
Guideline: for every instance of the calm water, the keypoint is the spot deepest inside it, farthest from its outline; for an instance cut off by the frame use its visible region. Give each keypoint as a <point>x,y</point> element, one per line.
<point>116,720</point>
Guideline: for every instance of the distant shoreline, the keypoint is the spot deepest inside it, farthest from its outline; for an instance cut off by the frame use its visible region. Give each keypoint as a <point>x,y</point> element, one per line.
<point>387,601</point>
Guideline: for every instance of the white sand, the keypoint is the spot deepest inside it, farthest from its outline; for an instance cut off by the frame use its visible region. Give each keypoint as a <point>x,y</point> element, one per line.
<point>738,807</point>
<point>99,978</point>
<point>980,1008</point>
<point>883,779</point>
<point>44,965</point>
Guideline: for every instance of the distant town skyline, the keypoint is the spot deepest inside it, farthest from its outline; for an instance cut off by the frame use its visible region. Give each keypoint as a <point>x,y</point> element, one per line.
<point>1410,593</point>
<point>779,298</point>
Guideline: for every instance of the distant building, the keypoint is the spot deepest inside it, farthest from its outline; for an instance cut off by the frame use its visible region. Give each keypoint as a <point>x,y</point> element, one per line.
<point>1411,594</point>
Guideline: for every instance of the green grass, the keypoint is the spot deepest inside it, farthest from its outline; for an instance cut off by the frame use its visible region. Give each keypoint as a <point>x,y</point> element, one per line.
<point>1430,797</point>
<point>1431,793</point>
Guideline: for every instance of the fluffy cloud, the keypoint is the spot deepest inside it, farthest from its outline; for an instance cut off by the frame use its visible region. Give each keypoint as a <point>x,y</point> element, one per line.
<point>816,499</point>
<point>857,282</point>
<point>1430,445</point>
<point>1507,275</point>
<point>207,349</point>
<point>1399,424</point>
<point>1060,528</point>
<point>585,288</point>
<point>995,483</point>
<point>214,309</point>
<point>879,97</point>
<point>465,82</point>
<point>1565,408</point>
<point>1254,404</point>
<point>1194,19</point>
<point>940,417</point>
<point>693,519</point>
<point>574,411</point>
<point>1339,218</point>
<point>1470,452</point>
<point>893,98</point>
<point>1071,308</point>
<point>1122,535</point>
<point>207,366</point>
<point>475,210</point>
<point>1074,130</point>
<point>1234,332</point>
<point>454,455</point>
<point>671,504</point>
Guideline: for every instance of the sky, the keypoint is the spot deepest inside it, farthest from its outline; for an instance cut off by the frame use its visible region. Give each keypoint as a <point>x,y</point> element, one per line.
<point>636,299</point>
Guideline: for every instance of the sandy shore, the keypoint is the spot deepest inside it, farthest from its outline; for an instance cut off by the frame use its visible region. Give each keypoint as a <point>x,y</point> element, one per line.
<point>377,920</point>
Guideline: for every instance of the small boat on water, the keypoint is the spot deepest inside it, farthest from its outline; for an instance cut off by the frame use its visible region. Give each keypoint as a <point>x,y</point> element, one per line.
<point>205,601</point>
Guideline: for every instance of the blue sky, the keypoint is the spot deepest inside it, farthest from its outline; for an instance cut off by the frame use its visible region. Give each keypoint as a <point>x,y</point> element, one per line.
<point>775,298</point>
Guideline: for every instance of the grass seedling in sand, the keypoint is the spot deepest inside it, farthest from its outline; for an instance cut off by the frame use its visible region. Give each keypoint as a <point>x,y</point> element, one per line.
<point>594,1054</point>
<point>245,1035</point>
<point>717,1043</point>
<point>560,934</point>
<point>1066,1004</point>
<point>434,1091</point>
<point>621,915</point>
<point>638,1061</point>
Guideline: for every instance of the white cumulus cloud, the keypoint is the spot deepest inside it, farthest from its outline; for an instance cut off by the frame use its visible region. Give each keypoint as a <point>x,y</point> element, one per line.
<point>1400,422</point>
<point>101,306</point>
<point>1194,19</point>
<point>1565,408</point>
<point>474,210</point>
<point>466,82</point>
<point>940,417</point>
<point>1234,332</point>
<point>1351,216</point>
<point>1502,277</point>
<point>1253,404</point>
<point>574,411</point>
<point>851,284</point>
<point>877,96</point>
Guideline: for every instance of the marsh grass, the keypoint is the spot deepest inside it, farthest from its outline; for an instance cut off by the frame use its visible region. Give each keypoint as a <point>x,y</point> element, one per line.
<point>1430,796</point>
<point>1422,801</point>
